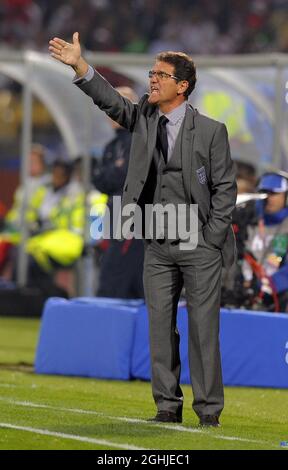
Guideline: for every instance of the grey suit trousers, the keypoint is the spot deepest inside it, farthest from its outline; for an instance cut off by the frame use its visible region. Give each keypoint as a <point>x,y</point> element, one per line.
<point>166,270</point>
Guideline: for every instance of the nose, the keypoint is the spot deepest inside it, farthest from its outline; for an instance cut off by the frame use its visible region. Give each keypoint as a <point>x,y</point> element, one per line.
<point>154,79</point>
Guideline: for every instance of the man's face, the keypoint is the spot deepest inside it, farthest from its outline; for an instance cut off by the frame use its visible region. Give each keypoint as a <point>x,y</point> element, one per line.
<point>275,202</point>
<point>59,177</point>
<point>164,91</point>
<point>245,186</point>
<point>37,167</point>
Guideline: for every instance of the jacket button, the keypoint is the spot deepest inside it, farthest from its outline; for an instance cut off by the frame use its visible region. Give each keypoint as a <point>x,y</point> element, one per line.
<point>135,199</point>
<point>142,182</point>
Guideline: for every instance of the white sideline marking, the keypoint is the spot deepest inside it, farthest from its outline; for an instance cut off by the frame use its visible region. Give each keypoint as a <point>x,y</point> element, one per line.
<point>90,440</point>
<point>8,386</point>
<point>170,427</point>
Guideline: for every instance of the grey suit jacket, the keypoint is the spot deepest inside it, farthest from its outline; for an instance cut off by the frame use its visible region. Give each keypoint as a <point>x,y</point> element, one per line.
<point>205,146</point>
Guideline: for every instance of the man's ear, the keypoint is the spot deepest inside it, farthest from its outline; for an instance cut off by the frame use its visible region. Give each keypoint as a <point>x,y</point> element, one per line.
<point>184,87</point>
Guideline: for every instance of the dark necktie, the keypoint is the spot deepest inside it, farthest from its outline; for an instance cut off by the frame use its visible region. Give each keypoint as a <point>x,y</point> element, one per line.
<point>162,139</point>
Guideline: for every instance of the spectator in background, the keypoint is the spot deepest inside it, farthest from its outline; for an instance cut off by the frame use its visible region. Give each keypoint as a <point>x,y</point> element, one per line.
<point>168,38</point>
<point>76,185</point>
<point>201,26</point>
<point>11,227</point>
<point>56,223</point>
<point>244,215</point>
<point>38,177</point>
<point>265,269</point>
<point>246,177</point>
<point>121,267</point>
<point>22,23</point>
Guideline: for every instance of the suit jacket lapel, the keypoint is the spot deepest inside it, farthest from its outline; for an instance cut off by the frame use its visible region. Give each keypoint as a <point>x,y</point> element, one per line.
<point>187,150</point>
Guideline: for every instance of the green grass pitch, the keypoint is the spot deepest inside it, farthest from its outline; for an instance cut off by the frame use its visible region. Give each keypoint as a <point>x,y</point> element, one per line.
<point>48,412</point>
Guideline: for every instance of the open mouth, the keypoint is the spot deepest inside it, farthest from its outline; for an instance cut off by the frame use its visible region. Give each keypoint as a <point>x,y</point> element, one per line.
<point>154,90</point>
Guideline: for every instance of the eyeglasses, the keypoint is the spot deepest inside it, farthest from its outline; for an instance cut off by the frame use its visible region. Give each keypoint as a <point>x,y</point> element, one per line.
<point>162,75</point>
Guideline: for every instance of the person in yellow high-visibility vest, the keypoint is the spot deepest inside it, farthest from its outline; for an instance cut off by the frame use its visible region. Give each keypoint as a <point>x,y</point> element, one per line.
<point>10,232</point>
<point>38,177</point>
<point>55,219</point>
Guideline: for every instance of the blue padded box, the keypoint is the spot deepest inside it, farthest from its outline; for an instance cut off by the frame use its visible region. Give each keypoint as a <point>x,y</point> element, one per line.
<point>87,337</point>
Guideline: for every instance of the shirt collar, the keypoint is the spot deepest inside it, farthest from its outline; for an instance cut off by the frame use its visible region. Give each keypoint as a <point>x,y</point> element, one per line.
<point>176,114</point>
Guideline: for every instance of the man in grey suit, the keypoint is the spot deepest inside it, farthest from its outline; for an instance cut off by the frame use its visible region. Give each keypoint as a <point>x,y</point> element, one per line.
<point>177,156</point>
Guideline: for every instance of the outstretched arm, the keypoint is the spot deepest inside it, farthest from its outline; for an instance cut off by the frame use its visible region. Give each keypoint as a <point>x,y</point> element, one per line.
<point>69,54</point>
<point>118,108</point>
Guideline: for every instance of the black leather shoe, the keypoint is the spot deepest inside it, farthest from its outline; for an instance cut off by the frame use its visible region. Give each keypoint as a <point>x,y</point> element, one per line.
<point>167,417</point>
<point>207,421</point>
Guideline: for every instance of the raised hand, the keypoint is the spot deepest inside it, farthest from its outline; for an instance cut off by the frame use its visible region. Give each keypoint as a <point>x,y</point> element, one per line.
<point>69,53</point>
